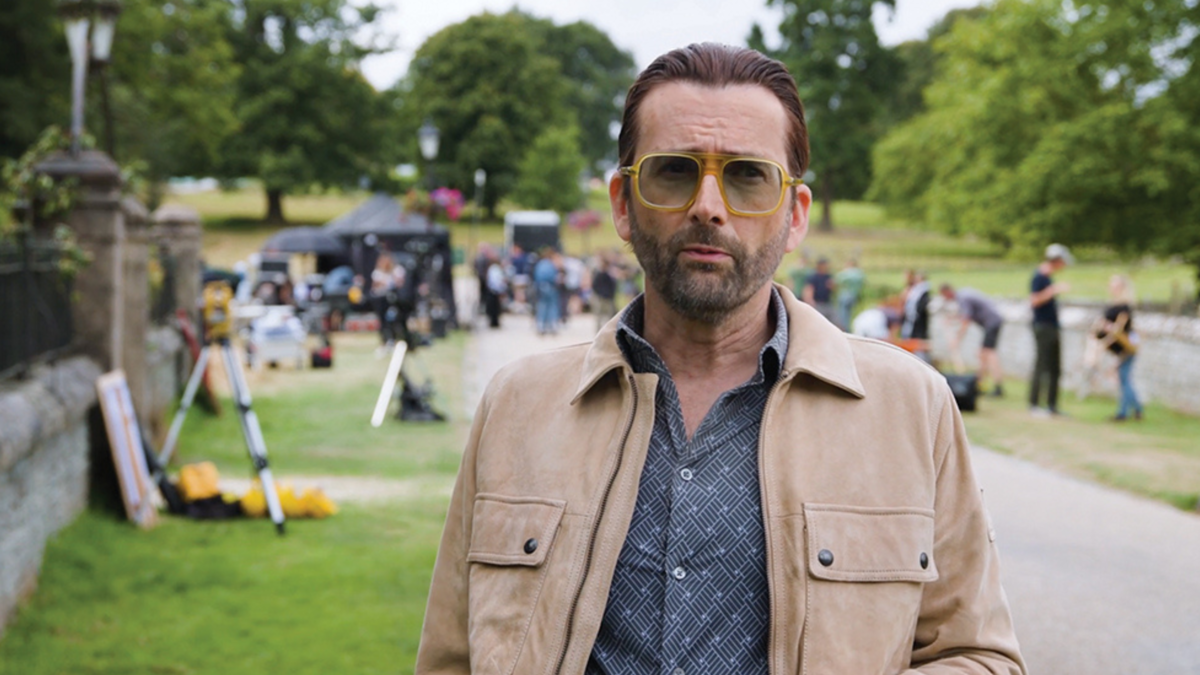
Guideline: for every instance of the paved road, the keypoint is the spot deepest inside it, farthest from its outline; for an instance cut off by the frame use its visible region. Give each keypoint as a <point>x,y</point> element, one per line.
<point>1100,582</point>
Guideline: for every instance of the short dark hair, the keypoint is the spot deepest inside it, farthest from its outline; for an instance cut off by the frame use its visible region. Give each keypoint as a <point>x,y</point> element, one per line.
<point>718,65</point>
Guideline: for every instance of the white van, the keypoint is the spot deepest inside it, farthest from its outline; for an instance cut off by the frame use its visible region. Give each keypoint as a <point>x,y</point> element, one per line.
<point>531,230</point>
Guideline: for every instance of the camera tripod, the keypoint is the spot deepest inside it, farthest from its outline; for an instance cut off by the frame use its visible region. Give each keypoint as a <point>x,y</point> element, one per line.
<point>219,324</point>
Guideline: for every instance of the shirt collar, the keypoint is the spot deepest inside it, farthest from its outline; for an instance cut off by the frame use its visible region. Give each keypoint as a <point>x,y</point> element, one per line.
<point>643,358</point>
<point>816,348</point>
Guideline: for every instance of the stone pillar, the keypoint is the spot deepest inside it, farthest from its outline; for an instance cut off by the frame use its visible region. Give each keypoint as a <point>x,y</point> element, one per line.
<point>99,224</point>
<point>136,286</point>
<point>179,228</point>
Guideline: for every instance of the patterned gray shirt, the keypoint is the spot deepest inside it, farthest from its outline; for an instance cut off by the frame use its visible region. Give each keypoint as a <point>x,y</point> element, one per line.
<point>689,594</point>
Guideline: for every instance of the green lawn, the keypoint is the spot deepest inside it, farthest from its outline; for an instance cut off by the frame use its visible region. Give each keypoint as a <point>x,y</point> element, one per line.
<point>344,595</point>
<point>340,595</point>
<point>1157,457</point>
<point>317,421</point>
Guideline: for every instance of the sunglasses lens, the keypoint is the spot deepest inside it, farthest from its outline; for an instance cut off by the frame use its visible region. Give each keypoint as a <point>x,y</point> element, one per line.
<point>752,186</point>
<point>668,181</point>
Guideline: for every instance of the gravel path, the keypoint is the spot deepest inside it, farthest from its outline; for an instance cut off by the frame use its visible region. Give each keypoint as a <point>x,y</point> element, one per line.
<point>347,489</point>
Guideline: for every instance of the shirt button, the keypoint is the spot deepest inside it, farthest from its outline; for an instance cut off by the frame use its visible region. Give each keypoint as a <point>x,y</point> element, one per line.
<point>679,573</point>
<point>685,474</point>
<point>677,671</point>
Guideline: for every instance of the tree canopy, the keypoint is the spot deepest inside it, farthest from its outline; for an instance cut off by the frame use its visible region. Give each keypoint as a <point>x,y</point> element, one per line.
<point>306,115</point>
<point>172,81</point>
<point>35,74</point>
<point>844,77</point>
<point>1074,122</point>
<point>548,175</point>
<point>495,82</point>
<point>598,74</point>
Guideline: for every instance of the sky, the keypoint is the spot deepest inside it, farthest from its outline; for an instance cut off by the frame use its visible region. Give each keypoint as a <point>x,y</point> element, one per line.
<point>646,28</point>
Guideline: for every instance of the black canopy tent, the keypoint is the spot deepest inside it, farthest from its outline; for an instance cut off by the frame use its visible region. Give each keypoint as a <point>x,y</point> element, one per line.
<point>380,222</point>
<point>329,249</point>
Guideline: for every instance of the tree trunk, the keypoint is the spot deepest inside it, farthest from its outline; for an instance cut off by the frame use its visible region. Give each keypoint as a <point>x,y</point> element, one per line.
<point>275,207</point>
<point>826,190</point>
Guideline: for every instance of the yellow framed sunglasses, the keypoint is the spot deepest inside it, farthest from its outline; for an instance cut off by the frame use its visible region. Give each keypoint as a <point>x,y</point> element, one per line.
<point>670,181</point>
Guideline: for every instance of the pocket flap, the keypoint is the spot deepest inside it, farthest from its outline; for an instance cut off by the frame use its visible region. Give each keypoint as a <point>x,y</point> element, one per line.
<point>513,530</point>
<point>854,543</point>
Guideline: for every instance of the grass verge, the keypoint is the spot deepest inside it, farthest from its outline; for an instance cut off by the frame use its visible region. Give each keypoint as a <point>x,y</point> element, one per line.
<point>1157,457</point>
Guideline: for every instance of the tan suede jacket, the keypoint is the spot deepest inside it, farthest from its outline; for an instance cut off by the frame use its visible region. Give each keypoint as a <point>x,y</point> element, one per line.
<point>880,555</point>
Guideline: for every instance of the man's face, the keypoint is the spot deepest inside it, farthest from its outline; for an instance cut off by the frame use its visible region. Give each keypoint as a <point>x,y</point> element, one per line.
<point>705,262</point>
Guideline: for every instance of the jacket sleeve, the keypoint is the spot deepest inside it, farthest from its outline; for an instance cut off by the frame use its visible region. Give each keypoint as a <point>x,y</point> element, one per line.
<point>964,625</point>
<point>444,648</point>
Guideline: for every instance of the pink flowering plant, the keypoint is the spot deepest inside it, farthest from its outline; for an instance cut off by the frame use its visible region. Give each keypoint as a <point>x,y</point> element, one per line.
<point>449,201</point>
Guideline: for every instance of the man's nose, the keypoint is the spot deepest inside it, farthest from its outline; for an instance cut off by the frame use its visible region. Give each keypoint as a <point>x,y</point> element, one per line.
<point>710,206</point>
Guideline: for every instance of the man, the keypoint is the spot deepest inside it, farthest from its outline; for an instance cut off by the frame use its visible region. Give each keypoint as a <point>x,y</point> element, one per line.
<point>1043,296</point>
<point>818,290</point>
<point>916,307</point>
<point>604,289</point>
<point>722,481</point>
<point>975,307</point>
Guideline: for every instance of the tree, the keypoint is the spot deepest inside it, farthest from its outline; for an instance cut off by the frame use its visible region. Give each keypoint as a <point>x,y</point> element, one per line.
<point>598,74</point>
<point>1052,121</point>
<point>490,91</point>
<point>306,114</point>
<point>173,86</point>
<point>35,73</point>
<point>548,175</point>
<point>844,77</point>
<point>917,65</point>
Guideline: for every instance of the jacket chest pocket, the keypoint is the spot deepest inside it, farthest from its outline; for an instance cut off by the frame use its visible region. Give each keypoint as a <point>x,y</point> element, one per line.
<point>866,569</point>
<point>511,539</point>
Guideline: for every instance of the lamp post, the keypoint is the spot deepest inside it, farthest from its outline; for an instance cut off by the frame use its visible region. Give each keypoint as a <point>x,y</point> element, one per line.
<point>480,180</point>
<point>427,138</point>
<point>78,17</point>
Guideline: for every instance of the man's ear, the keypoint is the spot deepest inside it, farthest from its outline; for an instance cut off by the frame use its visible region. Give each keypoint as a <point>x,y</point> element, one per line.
<point>797,217</point>
<point>620,205</point>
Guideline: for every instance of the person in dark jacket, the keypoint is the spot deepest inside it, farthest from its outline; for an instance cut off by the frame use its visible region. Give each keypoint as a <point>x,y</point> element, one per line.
<point>1043,296</point>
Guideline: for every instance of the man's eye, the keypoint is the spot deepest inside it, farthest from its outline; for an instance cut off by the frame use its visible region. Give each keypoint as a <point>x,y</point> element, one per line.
<point>747,171</point>
<point>677,167</point>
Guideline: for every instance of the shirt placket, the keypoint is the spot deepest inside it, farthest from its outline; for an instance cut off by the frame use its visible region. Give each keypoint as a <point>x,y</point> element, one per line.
<point>693,476</point>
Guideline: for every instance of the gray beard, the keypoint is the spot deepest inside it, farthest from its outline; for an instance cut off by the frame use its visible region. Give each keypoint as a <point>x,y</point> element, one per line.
<point>703,292</point>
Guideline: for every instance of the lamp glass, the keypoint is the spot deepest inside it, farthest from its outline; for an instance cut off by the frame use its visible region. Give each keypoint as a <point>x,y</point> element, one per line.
<point>427,138</point>
<point>77,35</point>
<point>102,36</point>
<point>480,177</point>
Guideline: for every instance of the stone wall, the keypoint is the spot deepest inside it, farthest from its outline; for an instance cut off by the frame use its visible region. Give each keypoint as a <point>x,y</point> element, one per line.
<point>44,450</point>
<point>1168,360</point>
<point>168,364</point>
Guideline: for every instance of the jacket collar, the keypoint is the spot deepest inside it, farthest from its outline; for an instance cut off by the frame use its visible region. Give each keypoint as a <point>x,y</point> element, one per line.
<point>815,347</point>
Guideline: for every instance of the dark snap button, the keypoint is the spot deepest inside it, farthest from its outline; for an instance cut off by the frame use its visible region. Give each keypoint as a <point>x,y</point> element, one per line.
<point>531,545</point>
<point>924,561</point>
<point>825,557</point>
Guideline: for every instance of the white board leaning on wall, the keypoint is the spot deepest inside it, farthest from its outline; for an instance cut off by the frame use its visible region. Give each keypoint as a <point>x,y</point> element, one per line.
<point>129,458</point>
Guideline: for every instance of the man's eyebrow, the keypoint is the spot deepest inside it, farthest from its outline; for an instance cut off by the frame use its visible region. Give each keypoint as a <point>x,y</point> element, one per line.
<point>733,153</point>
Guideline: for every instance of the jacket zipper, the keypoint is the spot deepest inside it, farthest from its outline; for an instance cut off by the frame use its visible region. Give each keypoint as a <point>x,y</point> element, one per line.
<point>587,562</point>
<point>762,488</point>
